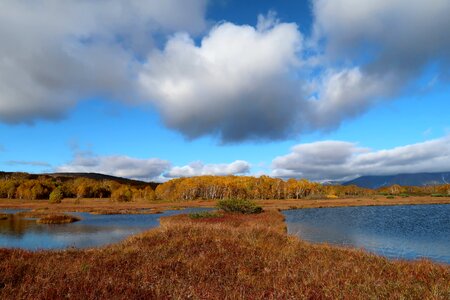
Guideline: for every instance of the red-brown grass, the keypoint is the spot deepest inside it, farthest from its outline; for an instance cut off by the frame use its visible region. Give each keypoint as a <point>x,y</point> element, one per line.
<point>57,219</point>
<point>232,257</point>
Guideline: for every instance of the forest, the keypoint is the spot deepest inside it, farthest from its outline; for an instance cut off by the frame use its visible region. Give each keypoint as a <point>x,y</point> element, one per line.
<point>55,188</point>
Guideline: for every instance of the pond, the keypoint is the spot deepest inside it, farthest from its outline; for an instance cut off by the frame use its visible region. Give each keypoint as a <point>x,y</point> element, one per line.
<point>406,232</point>
<point>91,231</point>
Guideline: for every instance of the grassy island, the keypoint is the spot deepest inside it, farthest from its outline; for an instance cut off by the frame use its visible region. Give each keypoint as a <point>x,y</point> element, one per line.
<point>57,219</point>
<point>227,255</point>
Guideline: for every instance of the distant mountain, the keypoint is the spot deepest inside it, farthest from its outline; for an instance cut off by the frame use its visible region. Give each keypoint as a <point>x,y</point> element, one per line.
<point>95,176</point>
<point>416,179</point>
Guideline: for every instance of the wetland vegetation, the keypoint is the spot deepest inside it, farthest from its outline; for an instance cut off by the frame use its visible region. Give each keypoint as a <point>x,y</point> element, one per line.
<point>242,251</point>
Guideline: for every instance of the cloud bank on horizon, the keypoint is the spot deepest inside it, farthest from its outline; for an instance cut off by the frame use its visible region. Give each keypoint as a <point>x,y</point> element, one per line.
<point>337,160</point>
<point>318,161</point>
<point>152,169</point>
<point>236,82</point>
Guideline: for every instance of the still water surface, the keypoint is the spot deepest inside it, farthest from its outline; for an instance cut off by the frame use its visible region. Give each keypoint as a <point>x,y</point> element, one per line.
<point>91,231</point>
<point>407,232</point>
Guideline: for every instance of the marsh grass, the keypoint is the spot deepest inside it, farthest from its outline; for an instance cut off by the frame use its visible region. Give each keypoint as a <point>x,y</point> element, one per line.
<point>57,219</point>
<point>237,256</point>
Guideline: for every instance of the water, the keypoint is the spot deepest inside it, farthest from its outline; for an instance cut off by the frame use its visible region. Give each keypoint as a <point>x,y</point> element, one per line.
<point>91,231</point>
<point>406,232</point>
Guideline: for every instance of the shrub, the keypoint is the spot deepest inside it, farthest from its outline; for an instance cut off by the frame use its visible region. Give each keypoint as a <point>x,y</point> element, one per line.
<point>390,197</point>
<point>56,196</point>
<point>205,215</point>
<point>440,195</point>
<point>239,205</point>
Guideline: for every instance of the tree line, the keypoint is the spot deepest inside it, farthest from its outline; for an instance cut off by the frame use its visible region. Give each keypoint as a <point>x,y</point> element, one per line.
<point>24,186</point>
<point>27,187</point>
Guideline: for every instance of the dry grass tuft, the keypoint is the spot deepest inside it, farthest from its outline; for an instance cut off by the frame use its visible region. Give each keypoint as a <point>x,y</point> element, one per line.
<point>57,219</point>
<point>125,212</point>
<point>236,256</point>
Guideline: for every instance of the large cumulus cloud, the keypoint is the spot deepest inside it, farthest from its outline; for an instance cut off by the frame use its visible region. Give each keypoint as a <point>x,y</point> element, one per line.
<point>235,83</point>
<point>55,52</point>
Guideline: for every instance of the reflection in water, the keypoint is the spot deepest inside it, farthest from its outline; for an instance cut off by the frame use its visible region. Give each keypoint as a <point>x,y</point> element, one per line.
<point>394,231</point>
<point>91,231</point>
<point>15,226</point>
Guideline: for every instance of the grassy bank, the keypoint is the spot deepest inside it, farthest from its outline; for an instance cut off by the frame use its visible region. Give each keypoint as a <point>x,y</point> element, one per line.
<point>229,256</point>
<point>106,206</point>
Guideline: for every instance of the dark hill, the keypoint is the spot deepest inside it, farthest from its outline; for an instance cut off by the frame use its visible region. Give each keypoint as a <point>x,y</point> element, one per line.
<point>94,176</point>
<point>416,179</point>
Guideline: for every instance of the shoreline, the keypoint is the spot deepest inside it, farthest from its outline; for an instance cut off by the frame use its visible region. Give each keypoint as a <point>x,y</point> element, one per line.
<point>105,204</point>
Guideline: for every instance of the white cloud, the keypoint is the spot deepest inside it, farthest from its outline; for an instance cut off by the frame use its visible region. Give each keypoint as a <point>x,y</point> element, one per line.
<point>397,38</point>
<point>152,169</point>
<point>56,52</point>
<point>117,165</point>
<point>335,160</point>
<point>235,83</point>
<point>198,168</point>
<point>346,93</point>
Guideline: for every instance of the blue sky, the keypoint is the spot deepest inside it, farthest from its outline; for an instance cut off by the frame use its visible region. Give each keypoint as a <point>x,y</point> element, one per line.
<point>232,87</point>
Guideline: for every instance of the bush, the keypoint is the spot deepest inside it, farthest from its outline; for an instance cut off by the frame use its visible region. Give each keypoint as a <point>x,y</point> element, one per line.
<point>440,195</point>
<point>56,196</point>
<point>390,197</point>
<point>239,205</point>
<point>205,215</point>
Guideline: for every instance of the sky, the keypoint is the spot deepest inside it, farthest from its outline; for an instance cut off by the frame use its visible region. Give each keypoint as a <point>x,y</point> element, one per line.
<point>155,90</point>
